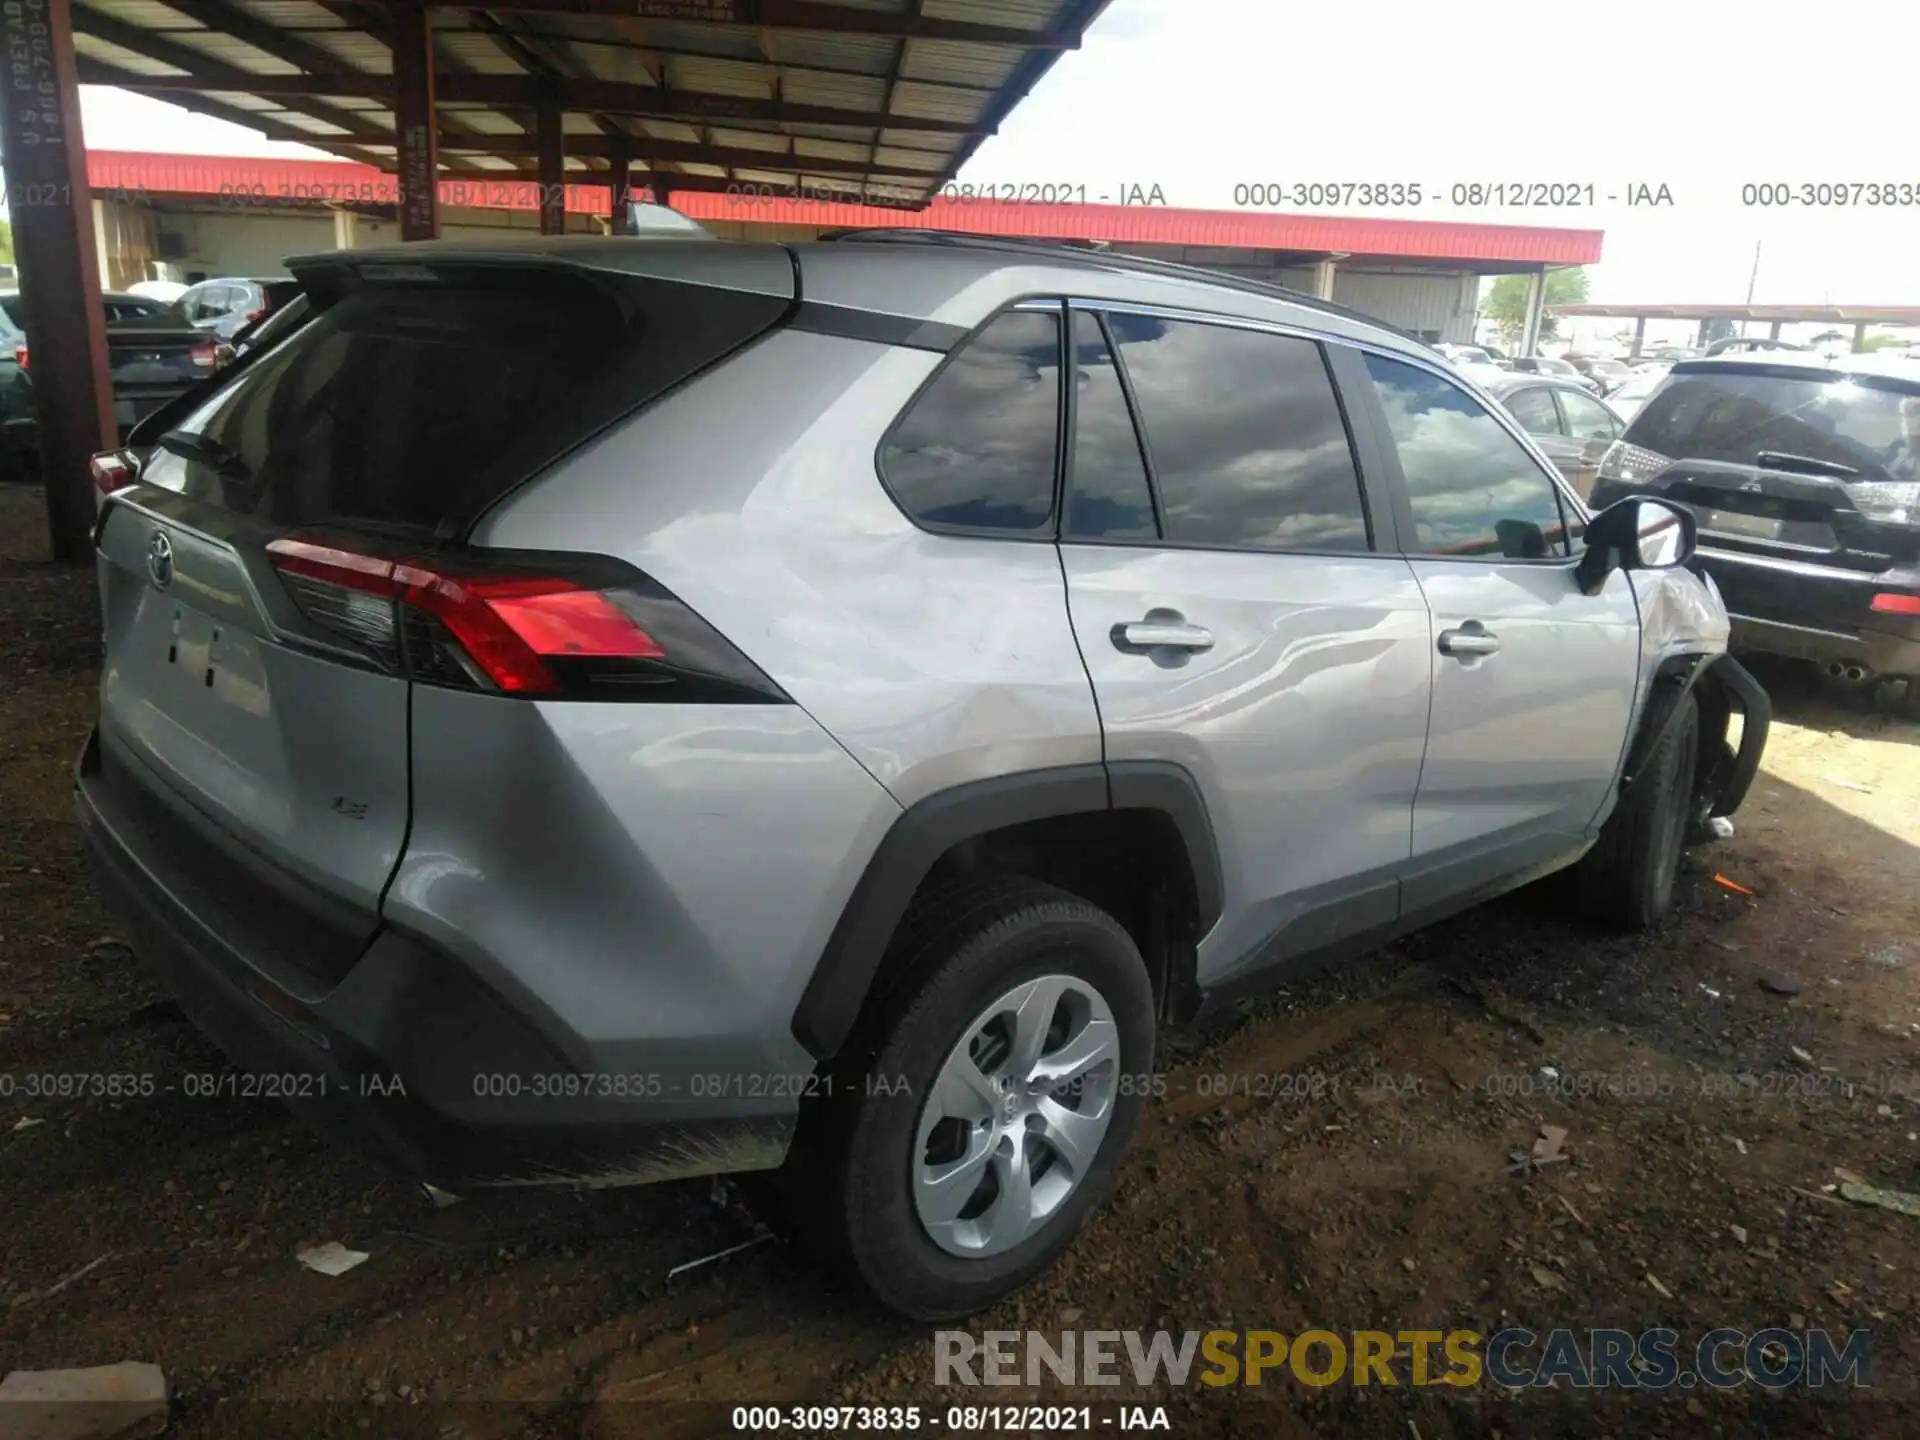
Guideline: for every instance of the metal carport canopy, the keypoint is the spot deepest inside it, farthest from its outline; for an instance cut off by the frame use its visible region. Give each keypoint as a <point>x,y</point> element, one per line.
<point>882,100</point>
<point>878,100</point>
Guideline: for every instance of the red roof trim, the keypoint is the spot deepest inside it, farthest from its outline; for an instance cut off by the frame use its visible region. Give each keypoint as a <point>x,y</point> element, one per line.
<point>243,181</point>
<point>1162,225</point>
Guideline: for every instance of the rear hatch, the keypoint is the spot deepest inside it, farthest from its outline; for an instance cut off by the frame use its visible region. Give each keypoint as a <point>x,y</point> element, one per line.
<point>291,561</point>
<point>1789,461</point>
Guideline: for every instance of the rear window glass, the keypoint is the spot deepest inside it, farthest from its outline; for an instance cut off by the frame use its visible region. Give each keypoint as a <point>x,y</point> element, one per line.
<point>1731,417</point>
<point>977,447</point>
<point>416,405</point>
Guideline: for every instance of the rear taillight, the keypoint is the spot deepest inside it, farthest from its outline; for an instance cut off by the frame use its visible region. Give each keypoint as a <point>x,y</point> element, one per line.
<point>20,356</point>
<point>486,623</point>
<point>1897,604</point>
<point>113,470</point>
<point>205,355</point>
<point>1631,464</point>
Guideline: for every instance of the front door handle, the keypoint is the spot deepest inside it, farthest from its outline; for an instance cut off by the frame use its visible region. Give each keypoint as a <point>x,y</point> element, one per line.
<point>1470,639</point>
<point>1162,634</point>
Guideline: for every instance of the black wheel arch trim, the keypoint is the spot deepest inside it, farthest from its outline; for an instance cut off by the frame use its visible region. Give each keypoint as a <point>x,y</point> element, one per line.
<point>1673,682</point>
<point>931,827</point>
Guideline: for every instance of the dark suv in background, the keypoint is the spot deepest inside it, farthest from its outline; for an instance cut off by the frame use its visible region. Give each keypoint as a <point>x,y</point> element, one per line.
<point>1804,475</point>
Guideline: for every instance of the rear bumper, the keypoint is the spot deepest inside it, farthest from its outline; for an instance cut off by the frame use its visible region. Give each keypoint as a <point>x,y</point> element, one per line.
<point>1817,612</point>
<point>410,1057</point>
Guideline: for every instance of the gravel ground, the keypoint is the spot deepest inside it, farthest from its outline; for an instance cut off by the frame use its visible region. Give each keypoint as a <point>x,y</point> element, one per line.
<point>1334,1157</point>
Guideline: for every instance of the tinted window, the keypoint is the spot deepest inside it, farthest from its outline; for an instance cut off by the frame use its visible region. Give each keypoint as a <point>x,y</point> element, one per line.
<point>1533,408</point>
<point>1732,416</point>
<point>1474,490</point>
<point>1587,419</point>
<point>1109,496</point>
<point>410,404</point>
<point>1247,441</point>
<point>977,447</point>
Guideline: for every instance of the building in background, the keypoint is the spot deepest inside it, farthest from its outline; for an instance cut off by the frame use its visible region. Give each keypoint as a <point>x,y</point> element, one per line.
<point>185,217</point>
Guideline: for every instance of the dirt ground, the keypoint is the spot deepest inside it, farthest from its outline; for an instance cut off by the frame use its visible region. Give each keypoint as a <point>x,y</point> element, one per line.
<point>1368,1186</point>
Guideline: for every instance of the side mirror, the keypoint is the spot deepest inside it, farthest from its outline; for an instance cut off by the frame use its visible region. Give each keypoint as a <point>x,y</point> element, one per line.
<point>1637,533</point>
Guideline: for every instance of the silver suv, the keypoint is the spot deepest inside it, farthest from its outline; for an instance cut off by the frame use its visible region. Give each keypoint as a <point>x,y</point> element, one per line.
<point>606,710</point>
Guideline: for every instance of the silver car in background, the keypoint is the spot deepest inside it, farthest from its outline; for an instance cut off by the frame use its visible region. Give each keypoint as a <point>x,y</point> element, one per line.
<point>680,707</point>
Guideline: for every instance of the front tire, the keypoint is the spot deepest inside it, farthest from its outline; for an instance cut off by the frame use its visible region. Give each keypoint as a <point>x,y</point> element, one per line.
<point>994,1095</point>
<point>1626,881</point>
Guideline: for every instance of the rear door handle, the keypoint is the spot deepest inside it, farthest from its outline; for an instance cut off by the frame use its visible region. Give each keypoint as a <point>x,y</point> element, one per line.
<point>1472,638</point>
<point>1162,634</point>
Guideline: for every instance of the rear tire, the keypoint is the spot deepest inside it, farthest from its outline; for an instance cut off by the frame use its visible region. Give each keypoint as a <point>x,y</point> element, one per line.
<point>1626,881</point>
<point>941,1213</point>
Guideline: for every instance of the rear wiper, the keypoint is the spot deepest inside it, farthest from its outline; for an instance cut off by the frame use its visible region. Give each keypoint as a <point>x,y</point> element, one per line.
<point>1805,464</point>
<point>207,451</point>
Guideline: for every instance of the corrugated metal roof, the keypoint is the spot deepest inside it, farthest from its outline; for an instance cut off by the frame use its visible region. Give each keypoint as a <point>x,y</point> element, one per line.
<point>879,67</point>
<point>719,77</point>
<point>359,49</point>
<point>477,52</point>
<point>290,14</point>
<point>489,122</point>
<point>112,54</point>
<point>239,100</point>
<point>870,53</point>
<point>236,53</point>
<point>1014,14</point>
<point>937,102</point>
<point>982,66</point>
<point>147,14</point>
<point>844,92</point>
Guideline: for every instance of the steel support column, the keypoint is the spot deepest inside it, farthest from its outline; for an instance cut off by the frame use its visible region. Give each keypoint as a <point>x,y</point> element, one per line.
<point>55,248</point>
<point>619,181</point>
<point>1323,279</point>
<point>550,141</point>
<point>1859,337</point>
<point>1639,337</point>
<point>414,119</point>
<point>1536,308</point>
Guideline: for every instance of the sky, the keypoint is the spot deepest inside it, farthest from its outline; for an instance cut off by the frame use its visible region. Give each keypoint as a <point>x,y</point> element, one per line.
<point>1700,96</point>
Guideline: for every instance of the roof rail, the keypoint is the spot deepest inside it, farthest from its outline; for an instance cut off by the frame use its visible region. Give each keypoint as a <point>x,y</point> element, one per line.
<point>1096,252</point>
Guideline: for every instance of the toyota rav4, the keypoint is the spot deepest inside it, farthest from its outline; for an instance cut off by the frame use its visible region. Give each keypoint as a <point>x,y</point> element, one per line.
<point>621,709</point>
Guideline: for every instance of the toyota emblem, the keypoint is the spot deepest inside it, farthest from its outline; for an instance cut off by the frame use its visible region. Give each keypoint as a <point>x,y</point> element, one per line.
<point>160,560</point>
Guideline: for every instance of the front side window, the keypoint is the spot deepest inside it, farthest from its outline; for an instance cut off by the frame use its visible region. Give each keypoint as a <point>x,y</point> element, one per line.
<point>1108,496</point>
<point>1587,419</point>
<point>1534,410</point>
<point>1473,489</point>
<point>976,448</point>
<point>1248,445</point>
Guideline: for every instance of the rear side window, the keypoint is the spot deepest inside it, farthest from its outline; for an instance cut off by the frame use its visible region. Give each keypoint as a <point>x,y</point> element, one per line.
<point>1733,416</point>
<point>1474,490</point>
<point>1108,498</point>
<point>418,403</point>
<point>1248,445</point>
<point>976,448</point>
